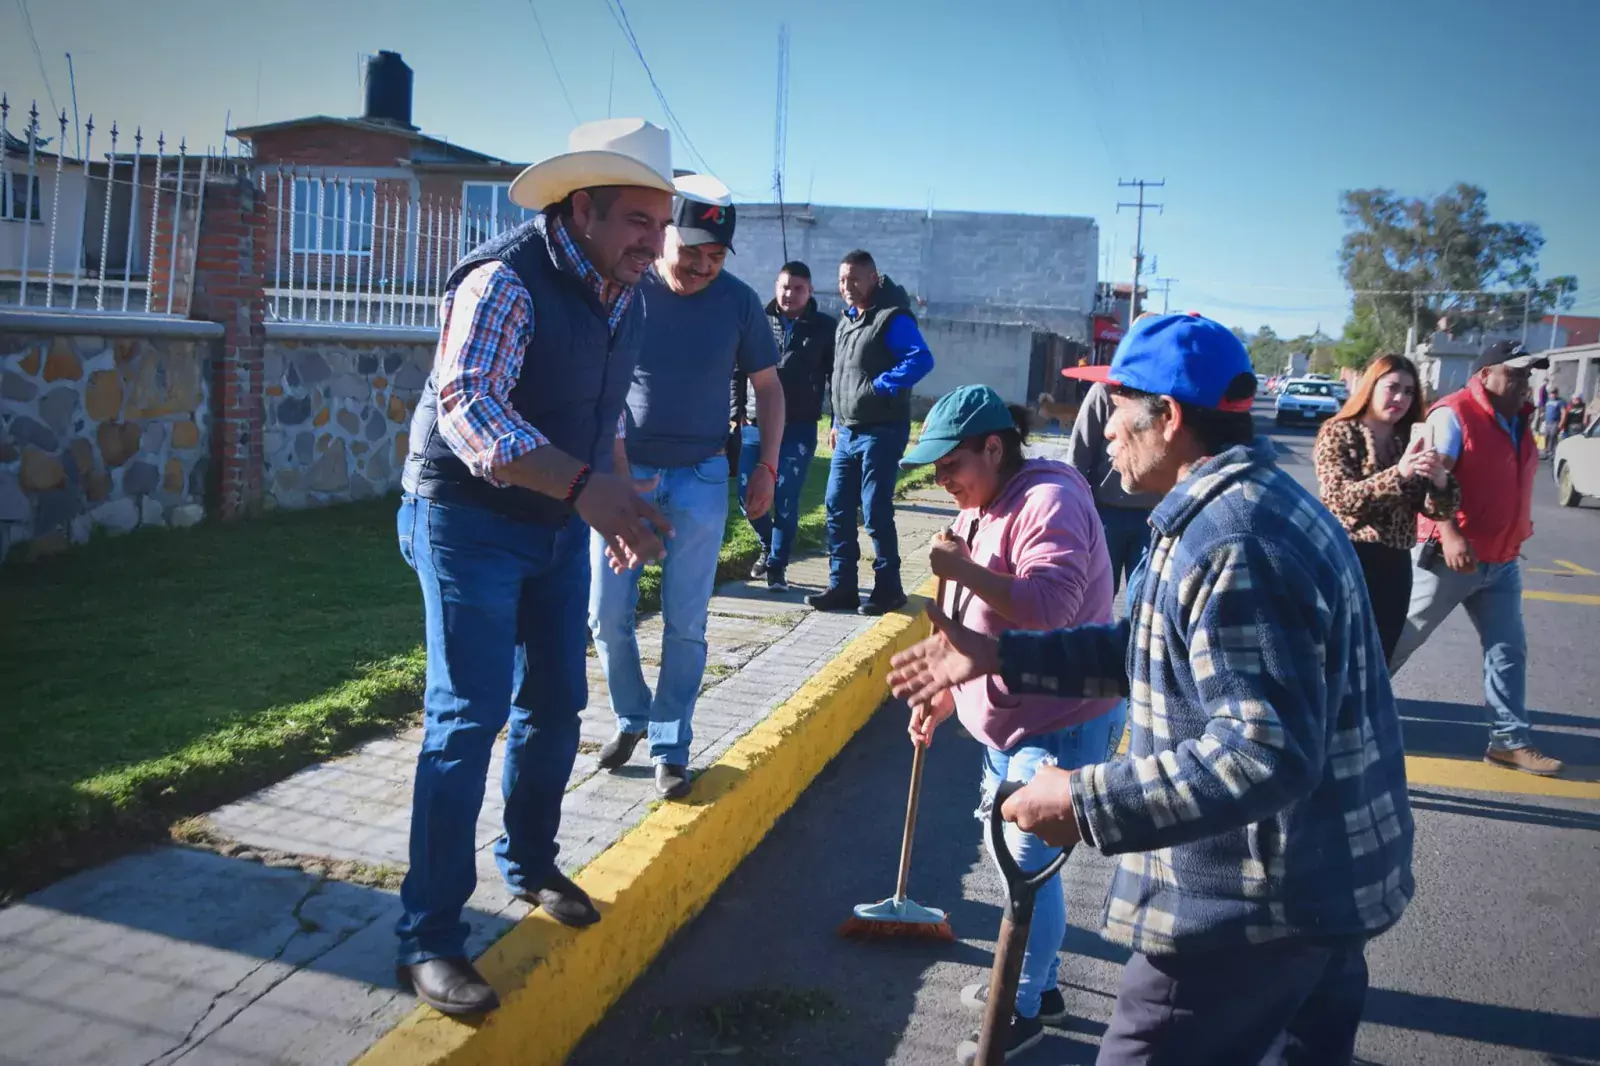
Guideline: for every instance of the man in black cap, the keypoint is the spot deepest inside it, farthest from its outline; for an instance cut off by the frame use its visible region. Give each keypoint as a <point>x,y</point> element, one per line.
<point>1484,433</point>
<point>702,325</point>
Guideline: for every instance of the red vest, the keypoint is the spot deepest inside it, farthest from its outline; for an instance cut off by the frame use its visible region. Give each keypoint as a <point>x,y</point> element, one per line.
<point>1496,478</point>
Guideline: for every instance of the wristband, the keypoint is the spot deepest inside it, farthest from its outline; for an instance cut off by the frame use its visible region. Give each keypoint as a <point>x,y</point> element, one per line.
<point>770,469</point>
<point>578,484</point>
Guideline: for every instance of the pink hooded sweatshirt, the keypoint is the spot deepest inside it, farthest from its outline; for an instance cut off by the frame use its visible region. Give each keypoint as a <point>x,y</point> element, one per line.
<point>1043,530</point>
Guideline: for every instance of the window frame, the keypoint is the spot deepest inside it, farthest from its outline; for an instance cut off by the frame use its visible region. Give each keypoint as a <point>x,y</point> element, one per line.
<point>8,178</point>
<point>303,184</point>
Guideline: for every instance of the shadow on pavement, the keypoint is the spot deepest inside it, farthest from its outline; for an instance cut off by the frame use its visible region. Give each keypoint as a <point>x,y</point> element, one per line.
<point>1433,727</point>
<point>1510,1027</point>
<point>762,975</point>
<point>1501,811</point>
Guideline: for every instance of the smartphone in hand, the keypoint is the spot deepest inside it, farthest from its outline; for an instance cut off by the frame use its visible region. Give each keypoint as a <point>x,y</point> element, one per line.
<point>1423,432</point>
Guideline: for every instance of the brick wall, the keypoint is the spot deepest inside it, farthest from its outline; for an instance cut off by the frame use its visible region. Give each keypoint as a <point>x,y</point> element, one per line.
<point>332,145</point>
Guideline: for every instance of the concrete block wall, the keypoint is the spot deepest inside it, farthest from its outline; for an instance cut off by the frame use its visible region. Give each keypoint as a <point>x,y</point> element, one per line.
<point>978,353</point>
<point>1038,270</point>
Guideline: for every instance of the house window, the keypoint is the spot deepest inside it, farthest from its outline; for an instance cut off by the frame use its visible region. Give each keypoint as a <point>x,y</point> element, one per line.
<point>487,211</point>
<point>334,216</point>
<point>15,201</point>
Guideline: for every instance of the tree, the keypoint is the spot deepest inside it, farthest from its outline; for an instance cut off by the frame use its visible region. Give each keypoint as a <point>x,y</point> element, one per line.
<point>1268,352</point>
<point>1413,262</point>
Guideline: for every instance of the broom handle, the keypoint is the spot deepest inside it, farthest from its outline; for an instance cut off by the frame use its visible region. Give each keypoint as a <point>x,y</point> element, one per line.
<point>918,755</point>
<point>911,822</point>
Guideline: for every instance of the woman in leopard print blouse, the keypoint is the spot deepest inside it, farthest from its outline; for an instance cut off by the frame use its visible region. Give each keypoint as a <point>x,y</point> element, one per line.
<point>1375,480</point>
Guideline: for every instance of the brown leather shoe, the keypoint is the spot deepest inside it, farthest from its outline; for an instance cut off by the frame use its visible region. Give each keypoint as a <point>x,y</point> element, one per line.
<point>1528,760</point>
<point>449,986</point>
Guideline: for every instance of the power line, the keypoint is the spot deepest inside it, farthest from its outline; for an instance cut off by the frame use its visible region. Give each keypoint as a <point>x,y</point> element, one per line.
<point>780,133</point>
<point>619,15</point>
<point>38,56</point>
<point>538,22</point>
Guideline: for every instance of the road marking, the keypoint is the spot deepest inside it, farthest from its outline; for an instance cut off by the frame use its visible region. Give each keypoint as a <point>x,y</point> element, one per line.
<point>1568,569</point>
<point>1564,597</point>
<point>1479,776</point>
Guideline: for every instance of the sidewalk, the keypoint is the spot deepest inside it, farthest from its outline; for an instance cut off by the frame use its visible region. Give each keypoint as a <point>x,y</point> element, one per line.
<point>270,940</point>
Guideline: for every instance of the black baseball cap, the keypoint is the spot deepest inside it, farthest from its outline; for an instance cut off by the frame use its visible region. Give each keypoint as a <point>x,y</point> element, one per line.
<point>1511,354</point>
<point>703,212</point>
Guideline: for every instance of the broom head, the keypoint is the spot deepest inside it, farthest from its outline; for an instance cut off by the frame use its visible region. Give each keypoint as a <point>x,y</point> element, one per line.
<point>897,919</point>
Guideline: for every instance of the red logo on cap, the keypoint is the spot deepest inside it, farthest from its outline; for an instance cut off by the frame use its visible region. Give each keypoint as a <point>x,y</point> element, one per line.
<point>713,215</point>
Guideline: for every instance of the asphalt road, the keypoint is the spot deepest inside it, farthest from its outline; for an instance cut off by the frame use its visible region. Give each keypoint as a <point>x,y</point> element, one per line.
<point>1495,961</point>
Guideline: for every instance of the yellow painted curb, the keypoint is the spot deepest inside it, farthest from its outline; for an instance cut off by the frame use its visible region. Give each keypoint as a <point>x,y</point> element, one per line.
<point>1479,776</point>
<point>556,983</point>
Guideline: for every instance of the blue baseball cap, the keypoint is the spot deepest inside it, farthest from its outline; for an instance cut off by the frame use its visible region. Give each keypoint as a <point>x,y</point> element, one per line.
<point>970,411</point>
<point>1186,356</point>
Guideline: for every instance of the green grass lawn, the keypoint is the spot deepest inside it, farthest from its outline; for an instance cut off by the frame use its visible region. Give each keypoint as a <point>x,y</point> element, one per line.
<point>156,675</point>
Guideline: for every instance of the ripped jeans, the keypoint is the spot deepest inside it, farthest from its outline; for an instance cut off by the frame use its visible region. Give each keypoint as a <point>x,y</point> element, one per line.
<point>1086,744</point>
<point>777,527</point>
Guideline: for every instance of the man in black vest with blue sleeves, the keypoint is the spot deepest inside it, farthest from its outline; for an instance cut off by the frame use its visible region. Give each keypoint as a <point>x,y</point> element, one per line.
<point>514,457</point>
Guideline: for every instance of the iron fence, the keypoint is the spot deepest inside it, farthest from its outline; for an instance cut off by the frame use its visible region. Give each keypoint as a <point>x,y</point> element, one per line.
<point>365,251</point>
<point>79,231</point>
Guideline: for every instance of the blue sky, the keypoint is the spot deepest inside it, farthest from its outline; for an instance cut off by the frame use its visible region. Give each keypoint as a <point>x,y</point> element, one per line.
<point>1257,113</point>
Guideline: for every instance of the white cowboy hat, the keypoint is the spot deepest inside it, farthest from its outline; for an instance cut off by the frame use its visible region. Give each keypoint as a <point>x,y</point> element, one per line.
<point>613,151</point>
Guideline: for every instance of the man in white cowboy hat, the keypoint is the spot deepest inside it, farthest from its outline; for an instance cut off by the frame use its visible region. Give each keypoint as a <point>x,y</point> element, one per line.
<point>513,460</point>
<point>704,324</point>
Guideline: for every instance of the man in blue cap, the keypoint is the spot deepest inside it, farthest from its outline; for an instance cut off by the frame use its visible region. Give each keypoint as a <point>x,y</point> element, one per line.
<point>1261,812</point>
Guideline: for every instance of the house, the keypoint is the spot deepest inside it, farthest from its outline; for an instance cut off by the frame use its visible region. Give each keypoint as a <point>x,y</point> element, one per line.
<point>372,204</point>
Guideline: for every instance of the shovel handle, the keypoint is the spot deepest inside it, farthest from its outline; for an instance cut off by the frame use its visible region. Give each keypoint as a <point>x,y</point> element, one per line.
<point>1018,882</point>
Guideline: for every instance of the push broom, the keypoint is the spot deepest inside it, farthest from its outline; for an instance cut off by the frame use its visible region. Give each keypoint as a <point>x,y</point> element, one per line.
<point>899,917</point>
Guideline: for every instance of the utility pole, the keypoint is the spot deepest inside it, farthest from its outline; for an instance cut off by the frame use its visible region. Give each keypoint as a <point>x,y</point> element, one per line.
<point>1138,240</point>
<point>1166,291</point>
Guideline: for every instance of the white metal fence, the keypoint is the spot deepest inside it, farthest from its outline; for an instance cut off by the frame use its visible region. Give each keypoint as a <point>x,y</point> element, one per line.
<point>78,231</point>
<point>365,252</point>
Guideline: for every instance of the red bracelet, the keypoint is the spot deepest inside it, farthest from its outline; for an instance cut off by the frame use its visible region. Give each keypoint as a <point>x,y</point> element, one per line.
<point>771,469</point>
<point>578,482</point>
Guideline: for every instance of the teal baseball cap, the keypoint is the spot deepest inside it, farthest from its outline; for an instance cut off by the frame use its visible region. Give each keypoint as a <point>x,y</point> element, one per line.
<point>970,411</point>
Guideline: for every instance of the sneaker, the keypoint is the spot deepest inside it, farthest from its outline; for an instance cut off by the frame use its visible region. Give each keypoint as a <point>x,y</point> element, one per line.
<point>1052,1005</point>
<point>882,603</point>
<point>619,749</point>
<point>834,598</point>
<point>1529,760</point>
<point>1024,1033</point>
<point>759,567</point>
<point>776,582</point>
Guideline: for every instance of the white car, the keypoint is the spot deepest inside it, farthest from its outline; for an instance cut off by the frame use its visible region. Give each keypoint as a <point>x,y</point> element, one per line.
<point>1577,466</point>
<point>1307,400</point>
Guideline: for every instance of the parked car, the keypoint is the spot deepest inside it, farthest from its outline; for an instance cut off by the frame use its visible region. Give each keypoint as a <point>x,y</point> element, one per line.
<point>1306,400</point>
<point>1577,466</point>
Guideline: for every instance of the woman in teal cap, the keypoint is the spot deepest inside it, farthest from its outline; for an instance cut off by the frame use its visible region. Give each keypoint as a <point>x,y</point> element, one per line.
<point>1027,552</point>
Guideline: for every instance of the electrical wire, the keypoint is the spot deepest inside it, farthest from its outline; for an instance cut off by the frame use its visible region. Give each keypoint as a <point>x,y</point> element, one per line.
<point>33,39</point>
<point>619,15</point>
<point>537,21</point>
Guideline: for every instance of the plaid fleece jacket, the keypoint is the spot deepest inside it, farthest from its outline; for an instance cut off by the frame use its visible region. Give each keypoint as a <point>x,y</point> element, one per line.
<point>1264,791</point>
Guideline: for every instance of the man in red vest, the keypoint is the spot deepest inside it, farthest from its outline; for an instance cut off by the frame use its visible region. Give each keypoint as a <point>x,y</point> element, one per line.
<point>1484,433</point>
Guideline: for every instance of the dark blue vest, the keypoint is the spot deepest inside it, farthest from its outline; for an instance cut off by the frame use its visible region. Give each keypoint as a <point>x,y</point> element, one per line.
<point>574,381</point>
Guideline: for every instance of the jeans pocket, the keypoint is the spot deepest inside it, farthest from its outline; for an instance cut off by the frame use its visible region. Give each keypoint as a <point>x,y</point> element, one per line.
<point>405,527</point>
<point>712,471</point>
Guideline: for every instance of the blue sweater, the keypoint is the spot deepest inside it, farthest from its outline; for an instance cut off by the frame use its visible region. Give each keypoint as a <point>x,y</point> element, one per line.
<point>1264,792</point>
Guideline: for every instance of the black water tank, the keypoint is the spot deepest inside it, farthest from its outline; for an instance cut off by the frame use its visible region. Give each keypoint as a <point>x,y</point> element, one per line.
<point>388,89</point>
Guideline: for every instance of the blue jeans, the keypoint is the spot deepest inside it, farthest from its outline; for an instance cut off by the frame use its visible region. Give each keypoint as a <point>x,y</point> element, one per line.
<point>1492,595</point>
<point>503,618</point>
<point>794,461</point>
<point>866,463</point>
<point>1127,538</point>
<point>1086,744</point>
<point>695,500</point>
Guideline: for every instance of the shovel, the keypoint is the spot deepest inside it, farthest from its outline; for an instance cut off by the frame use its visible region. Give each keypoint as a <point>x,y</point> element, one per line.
<point>1022,889</point>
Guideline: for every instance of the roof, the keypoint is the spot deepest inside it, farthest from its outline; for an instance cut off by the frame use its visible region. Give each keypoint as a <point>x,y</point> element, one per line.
<point>1580,329</point>
<point>434,149</point>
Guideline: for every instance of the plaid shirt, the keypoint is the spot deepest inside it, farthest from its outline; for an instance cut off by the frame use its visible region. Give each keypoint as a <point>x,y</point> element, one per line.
<point>488,320</point>
<point>1264,792</point>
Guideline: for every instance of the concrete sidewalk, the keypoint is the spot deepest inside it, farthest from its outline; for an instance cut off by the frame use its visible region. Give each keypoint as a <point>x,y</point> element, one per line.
<point>271,940</point>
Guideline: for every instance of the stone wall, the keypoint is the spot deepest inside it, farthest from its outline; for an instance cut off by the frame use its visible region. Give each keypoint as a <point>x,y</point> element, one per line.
<point>1038,270</point>
<point>101,431</point>
<point>337,414</point>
